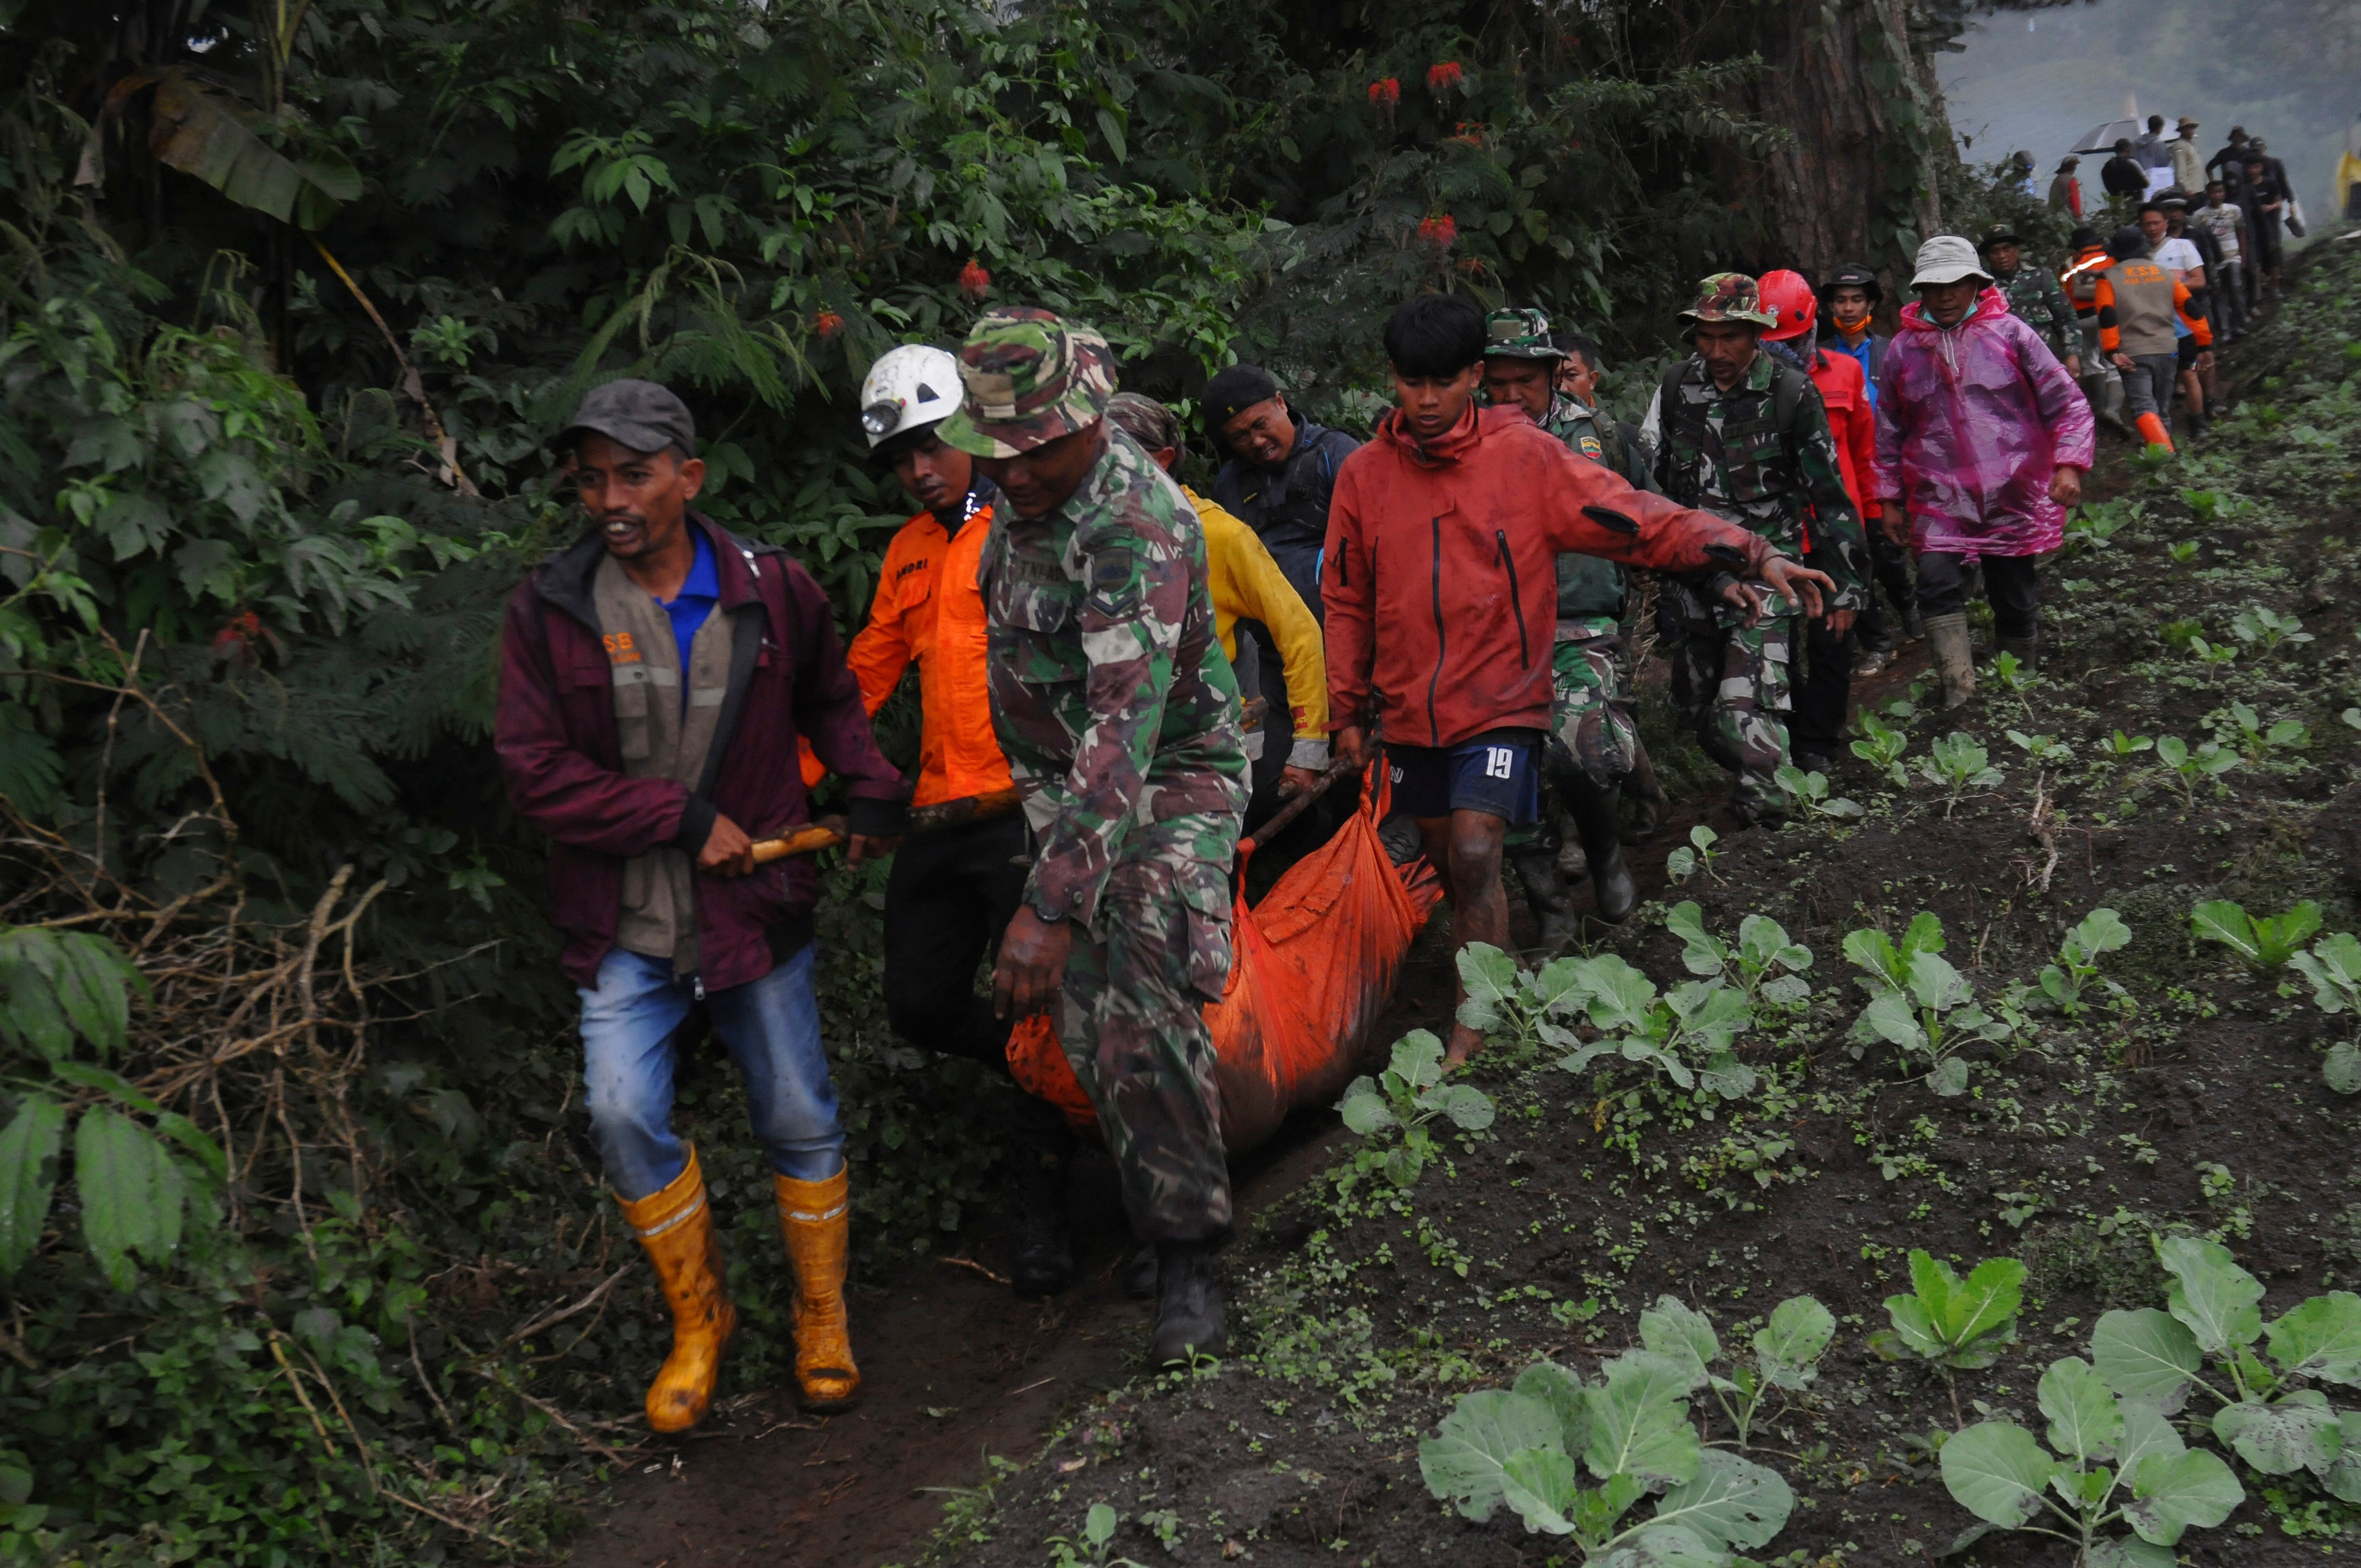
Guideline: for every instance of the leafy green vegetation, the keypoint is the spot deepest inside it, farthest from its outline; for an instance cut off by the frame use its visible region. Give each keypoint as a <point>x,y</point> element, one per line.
<point>1919,1004</point>
<point>1762,963</point>
<point>2268,1414</point>
<point>2266,942</point>
<point>1532,1446</point>
<point>1787,1350</point>
<point>2333,967</point>
<point>1882,746</point>
<point>1404,1099</point>
<point>1953,1324</point>
<point>1687,1033</point>
<point>2100,931</point>
<point>1697,855</point>
<point>2117,1461</point>
<point>1960,765</point>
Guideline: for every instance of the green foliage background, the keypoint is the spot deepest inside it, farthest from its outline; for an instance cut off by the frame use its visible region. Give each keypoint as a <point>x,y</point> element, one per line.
<point>225,485</point>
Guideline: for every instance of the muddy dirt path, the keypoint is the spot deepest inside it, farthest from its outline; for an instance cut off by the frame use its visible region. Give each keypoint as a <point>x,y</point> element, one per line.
<point>955,1370</point>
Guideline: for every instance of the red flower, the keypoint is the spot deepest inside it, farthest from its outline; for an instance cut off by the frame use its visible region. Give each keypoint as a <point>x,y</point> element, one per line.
<point>234,640</point>
<point>1385,94</point>
<point>1471,133</point>
<point>828,323</point>
<point>973,281</point>
<point>1444,77</point>
<point>1438,232</point>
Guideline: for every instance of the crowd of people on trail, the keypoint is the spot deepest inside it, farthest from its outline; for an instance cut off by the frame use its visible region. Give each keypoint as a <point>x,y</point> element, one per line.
<point>1451,602</point>
<point>2204,240</point>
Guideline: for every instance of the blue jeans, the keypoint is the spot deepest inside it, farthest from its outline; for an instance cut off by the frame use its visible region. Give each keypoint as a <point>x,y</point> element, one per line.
<point>772,1028</point>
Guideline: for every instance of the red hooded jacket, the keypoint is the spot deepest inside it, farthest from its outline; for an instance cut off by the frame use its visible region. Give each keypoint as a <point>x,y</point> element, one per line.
<point>1440,578</point>
<point>555,731</point>
<point>1844,389</point>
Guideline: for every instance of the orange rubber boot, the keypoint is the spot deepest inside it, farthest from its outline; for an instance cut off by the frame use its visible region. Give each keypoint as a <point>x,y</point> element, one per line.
<point>814,1218</point>
<point>676,1227</point>
<point>2151,429</point>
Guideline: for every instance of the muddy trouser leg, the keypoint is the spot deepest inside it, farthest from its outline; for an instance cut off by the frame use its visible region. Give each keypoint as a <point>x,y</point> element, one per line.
<point>2148,385</point>
<point>1730,685</point>
<point>2230,299</point>
<point>1594,724</point>
<point>2013,586</point>
<point>2102,384</point>
<point>1890,563</point>
<point>1824,695</point>
<point>948,898</point>
<point>1942,583</point>
<point>1131,1017</point>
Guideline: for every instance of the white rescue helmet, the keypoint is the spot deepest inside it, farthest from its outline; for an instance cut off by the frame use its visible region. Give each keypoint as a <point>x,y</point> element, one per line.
<point>912,386</point>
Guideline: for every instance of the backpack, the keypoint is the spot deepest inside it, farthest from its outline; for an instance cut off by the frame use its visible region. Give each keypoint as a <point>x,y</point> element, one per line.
<point>1789,386</point>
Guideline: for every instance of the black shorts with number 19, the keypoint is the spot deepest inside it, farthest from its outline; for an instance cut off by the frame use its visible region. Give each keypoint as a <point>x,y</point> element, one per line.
<point>1497,772</point>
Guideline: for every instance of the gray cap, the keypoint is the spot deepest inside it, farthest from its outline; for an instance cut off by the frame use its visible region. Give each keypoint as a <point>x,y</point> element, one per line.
<point>640,415</point>
<point>1947,259</point>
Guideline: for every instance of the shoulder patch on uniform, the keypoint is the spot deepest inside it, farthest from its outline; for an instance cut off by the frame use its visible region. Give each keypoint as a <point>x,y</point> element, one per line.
<point>1590,447</point>
<point>1116,586</point>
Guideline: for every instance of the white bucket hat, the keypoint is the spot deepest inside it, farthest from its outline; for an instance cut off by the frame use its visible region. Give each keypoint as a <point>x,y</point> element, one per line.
<point>1947,258</point>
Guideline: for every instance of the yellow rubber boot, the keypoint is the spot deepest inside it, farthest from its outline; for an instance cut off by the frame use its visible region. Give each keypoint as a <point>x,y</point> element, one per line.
<point>814,1218</point>
<point>676,1227</point>
<point>2152,431</point>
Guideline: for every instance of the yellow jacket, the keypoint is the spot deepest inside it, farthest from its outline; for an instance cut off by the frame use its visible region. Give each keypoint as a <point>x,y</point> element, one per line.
<point>1245,583</point>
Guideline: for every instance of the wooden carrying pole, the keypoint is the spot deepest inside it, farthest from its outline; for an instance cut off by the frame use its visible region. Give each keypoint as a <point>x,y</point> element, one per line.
<point>958,812</point>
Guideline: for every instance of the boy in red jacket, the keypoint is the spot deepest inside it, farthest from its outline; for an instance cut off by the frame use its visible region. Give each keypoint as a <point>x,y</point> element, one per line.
<point>1440,584</point>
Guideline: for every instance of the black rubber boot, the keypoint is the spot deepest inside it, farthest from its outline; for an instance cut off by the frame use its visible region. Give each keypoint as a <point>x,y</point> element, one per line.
<point>1140,1274</point>
<point>1045,1252</point>
<point>1649,802</point>
<point>1598,820</point>
<point>1398,834</point>
<point>1572,865</point>
<point>1188,1305</point>
<point>1546,895</point>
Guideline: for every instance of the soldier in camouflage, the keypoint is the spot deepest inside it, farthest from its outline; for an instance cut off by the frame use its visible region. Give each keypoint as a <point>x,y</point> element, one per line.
<point>1119,717</point>
<point>1594,727</point>
<point>1746,438</point>
<point>2032,295</point>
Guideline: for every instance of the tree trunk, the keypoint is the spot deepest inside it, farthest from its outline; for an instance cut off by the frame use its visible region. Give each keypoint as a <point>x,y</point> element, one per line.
<point>1859,183</point>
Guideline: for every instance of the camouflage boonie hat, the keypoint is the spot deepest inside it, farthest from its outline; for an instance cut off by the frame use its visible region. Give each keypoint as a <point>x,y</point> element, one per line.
<point>1730,297</point>
<point>1519,334</point>
<point>1031,377</point>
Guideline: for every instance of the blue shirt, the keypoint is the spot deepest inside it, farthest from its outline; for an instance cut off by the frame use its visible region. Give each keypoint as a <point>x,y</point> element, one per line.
<point>1862,351</point>
<point>699,592</point>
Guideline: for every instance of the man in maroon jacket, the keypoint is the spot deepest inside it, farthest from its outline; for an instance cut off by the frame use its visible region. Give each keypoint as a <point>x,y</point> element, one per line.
<point>654,678</point>
<point>1439,582</point>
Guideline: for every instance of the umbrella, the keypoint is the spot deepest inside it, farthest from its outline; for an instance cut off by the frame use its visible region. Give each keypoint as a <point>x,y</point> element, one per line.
<point>2103,139</point>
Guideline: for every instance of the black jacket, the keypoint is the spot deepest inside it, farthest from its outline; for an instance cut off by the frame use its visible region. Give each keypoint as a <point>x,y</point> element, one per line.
<point>1288,507</point>
<point>2125,177</point>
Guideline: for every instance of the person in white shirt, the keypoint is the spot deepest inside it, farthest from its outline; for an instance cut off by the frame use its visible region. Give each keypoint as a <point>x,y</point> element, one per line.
<point>2226,222</point>
<point>2179,256</point>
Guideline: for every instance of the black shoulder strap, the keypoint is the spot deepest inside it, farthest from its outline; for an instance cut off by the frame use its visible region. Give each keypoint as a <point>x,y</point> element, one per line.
<point>1669,393</point>
<point>1787,388</point>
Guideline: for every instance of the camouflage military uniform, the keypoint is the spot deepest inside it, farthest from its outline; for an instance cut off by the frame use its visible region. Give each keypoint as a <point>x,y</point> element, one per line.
<point>1592,725</point>
<point>2034,298</point>
<point>1118,715</point>
<point>1725,453</point>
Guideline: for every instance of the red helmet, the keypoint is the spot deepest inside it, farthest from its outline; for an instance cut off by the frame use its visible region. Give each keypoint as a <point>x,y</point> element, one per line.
<point>1792,297</point>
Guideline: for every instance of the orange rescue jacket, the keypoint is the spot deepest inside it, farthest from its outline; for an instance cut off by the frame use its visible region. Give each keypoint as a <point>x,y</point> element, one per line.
<point>929,610</point>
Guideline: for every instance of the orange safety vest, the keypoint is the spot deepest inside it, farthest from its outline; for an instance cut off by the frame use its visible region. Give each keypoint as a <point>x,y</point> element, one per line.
<point>930,609</point>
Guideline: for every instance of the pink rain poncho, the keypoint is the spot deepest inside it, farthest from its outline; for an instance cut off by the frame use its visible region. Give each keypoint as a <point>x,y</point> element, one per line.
<point>1972,424</point>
